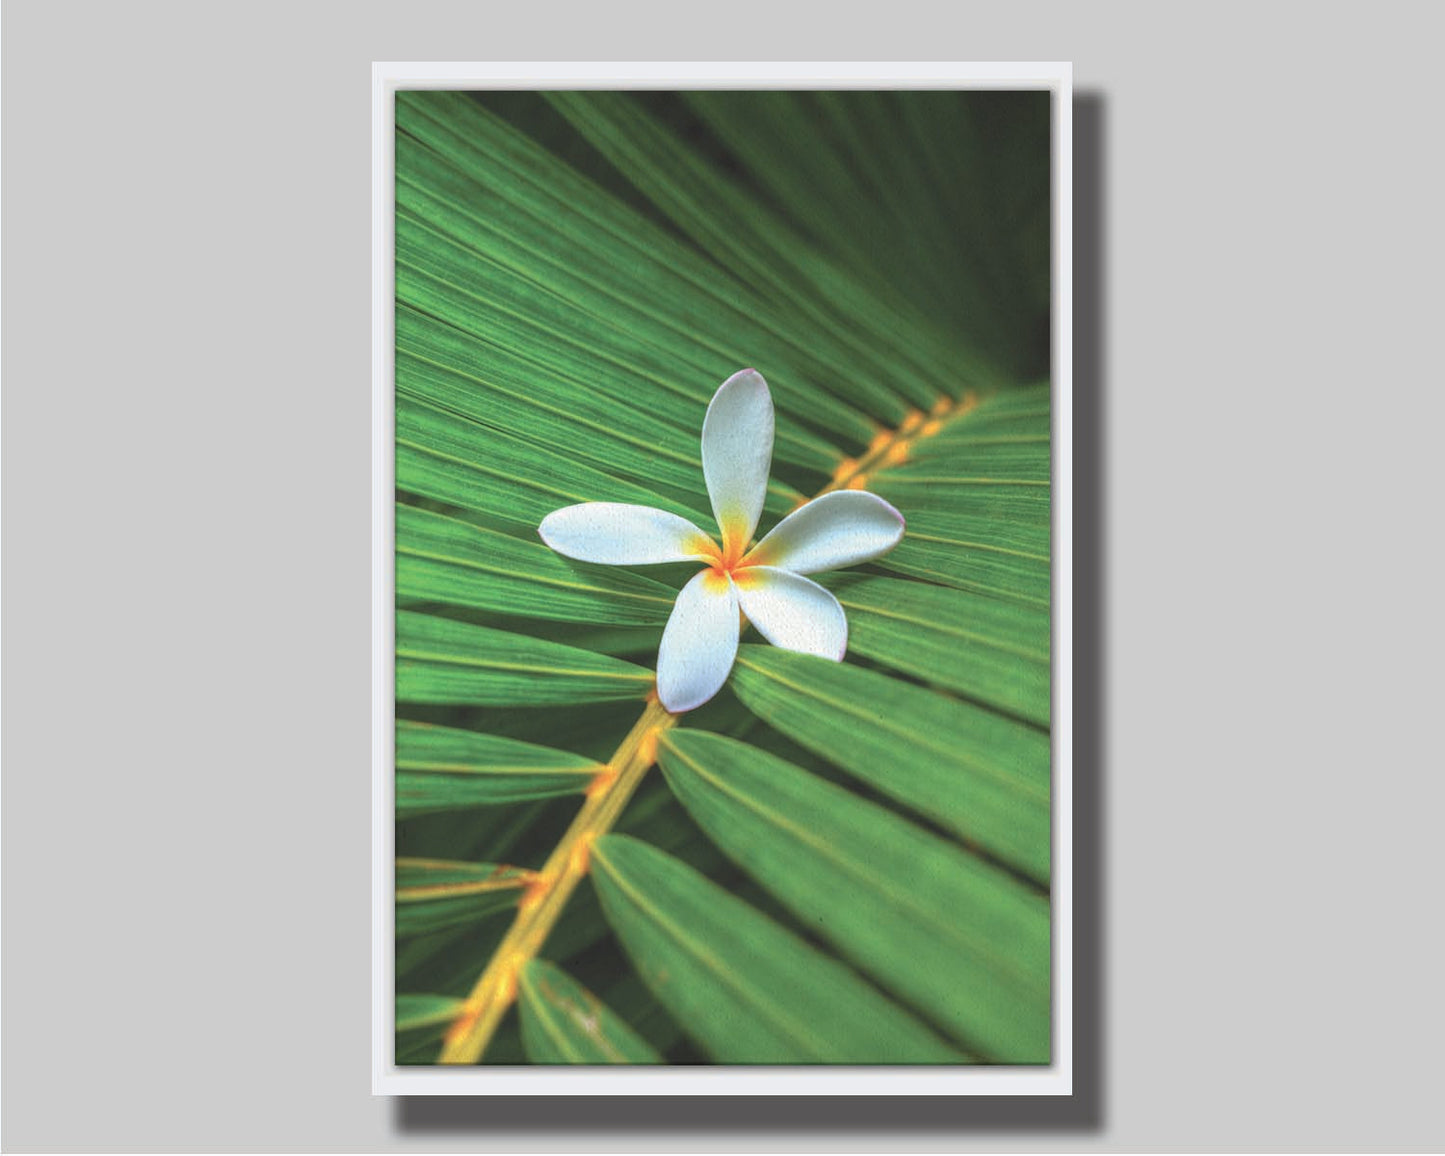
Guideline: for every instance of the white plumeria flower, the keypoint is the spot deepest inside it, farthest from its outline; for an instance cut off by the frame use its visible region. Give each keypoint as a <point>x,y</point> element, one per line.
<point>765,583</point>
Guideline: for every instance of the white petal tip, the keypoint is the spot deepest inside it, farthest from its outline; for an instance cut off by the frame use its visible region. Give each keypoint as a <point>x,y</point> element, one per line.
<point>749,384</point>
<point>682,706</point>
<point>888,508</point>
<point>548,527</point>
<point>750,375</point>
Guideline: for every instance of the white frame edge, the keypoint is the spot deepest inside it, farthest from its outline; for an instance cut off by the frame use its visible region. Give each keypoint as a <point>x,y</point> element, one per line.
<point>1055,1079</point>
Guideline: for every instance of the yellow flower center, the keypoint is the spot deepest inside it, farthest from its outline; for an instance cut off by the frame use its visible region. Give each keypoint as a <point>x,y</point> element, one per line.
<point>730,560</point>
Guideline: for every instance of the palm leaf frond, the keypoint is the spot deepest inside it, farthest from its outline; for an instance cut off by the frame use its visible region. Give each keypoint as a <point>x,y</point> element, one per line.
<point>969,945</point>
<point>838,863</point>
<point>749,991</point>
<point>564,1023</point>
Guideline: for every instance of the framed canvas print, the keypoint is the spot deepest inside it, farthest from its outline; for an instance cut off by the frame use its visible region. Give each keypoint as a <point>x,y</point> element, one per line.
<point>722,579</point>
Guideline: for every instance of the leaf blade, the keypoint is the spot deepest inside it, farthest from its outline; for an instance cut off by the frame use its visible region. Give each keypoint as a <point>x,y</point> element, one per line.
<point>993,650</point>
<point>442,769</point>
<point>962,942</point>
<point>984,553</point>
<point>981,775</point>
<point>444,559</point>
<point>443,661</point>
<point>436,894</point>
<point>564,1023</point>
<point>747,990</point>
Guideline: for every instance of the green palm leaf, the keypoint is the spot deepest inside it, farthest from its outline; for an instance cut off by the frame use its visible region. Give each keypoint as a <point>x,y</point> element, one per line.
<point>445,769</point>
<point>435,894</point>
<point>564,1023</point>
<point>438,660</point>
<point>749,991</point>
<point>420,1022</point>
<point>982,775</point>
<point>442,456</point>
<point>839,863</point>
<point>968,945</point>
<point>988,548</point>
<point>442,559</point>
<point>993,650</point>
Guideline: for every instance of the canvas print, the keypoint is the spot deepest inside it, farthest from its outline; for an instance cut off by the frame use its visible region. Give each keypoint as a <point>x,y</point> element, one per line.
<point>722,572</point>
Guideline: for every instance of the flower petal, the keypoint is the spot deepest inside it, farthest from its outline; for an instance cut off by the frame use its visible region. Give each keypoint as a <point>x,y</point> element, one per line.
<point>699,643</point>
<point>792,612</point>
<point>839,529</point>
<point>623,535</point>
<point>737,452</point>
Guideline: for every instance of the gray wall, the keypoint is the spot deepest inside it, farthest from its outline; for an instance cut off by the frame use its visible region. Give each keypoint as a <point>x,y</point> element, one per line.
<point>1259,403</point>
